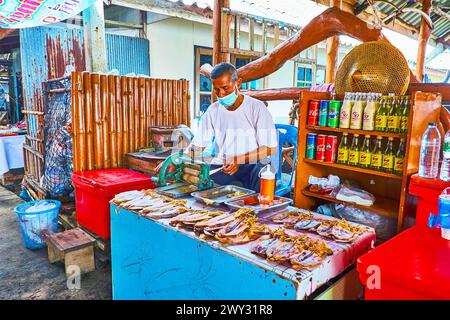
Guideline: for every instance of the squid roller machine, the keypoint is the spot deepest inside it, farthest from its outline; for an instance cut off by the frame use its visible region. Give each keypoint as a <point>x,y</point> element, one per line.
<point>188,176</point>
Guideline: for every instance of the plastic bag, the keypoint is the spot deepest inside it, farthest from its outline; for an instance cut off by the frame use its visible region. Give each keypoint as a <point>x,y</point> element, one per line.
<point>41,206</point>
<point>354,195</point>
<point>325,183</point>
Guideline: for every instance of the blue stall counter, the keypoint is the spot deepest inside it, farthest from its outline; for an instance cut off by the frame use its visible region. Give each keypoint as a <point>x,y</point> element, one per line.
<point>153,260</point>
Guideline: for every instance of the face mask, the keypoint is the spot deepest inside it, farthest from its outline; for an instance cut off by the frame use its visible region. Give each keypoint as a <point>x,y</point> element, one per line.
<point>228,100</point>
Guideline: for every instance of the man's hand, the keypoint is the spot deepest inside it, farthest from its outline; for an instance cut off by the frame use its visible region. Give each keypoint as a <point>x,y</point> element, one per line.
<point>230,167</point>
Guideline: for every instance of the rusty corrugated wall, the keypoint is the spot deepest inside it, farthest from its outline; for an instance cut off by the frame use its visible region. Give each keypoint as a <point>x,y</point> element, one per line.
<point>51,53</point>
<point>111,115</point>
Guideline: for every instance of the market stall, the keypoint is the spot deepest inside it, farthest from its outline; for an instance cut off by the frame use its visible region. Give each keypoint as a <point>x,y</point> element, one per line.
<point>170,258</point>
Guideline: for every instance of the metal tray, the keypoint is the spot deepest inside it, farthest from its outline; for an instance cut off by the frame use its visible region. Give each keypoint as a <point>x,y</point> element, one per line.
<point>280,203</point>
<point>177,190</point>
<point>219,195</point>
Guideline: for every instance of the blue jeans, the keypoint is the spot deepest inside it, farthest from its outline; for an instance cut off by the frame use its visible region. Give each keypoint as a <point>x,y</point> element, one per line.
<point>247,174</point>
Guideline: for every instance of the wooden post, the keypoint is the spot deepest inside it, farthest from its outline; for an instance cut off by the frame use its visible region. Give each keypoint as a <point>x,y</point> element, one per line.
<point>94,38</point>
<point>220,33</point>
<point>424,35</point>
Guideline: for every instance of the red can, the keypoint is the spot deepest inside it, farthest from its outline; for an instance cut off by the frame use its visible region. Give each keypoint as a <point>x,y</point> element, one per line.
<point>313,112</point>
<point>320,149</point>
<point>331,146</point>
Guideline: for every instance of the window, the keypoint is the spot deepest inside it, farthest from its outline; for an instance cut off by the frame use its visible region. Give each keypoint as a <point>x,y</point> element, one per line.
<point>203,84</point>
<point>320,74</point>
<point>304,76</point>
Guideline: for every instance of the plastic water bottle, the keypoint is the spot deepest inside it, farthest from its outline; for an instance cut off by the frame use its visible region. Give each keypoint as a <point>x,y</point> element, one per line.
<point>429,152</point>
<point>445,167</point>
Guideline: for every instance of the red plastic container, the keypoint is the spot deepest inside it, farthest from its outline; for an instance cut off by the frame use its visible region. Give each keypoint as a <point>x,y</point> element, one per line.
<point>93,191</point>
<point>427,192</point>
<point>412,265</point>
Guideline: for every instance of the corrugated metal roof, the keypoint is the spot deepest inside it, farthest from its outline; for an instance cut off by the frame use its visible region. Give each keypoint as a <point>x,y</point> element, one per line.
<point>441,24</point>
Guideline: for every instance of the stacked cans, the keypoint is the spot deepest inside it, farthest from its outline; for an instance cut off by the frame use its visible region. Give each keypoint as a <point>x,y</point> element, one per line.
<point>321,147</point>
<point>324,113</point>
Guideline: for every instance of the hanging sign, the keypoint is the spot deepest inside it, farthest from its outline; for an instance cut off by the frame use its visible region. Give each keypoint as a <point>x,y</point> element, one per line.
<point>32,13</point>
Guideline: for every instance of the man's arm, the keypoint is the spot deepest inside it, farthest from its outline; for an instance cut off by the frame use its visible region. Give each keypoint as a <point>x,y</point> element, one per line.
<point>232,164</point>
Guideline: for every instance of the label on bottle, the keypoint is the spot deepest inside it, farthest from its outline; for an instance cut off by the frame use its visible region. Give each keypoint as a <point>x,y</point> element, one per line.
<point>353,157</point>
<point>356,119</point>
<point>393,122</point>
<point>364,158</point>
<point>344,121</point>
<point>388,161</point>
<point>447,146</point>
<point>404,123</point>
<point>342,155</point>
<point>380,121</point>
<point>398,164</point>
<point>376,160</point>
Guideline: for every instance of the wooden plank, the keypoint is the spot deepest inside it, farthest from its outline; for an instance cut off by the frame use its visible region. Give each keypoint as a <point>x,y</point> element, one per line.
<point>237,31</point>
<point>119,123</point>
<point>105,121</point>
<point>113,119</point>
<point>132,111</point>
<point>251,37</point>
<point>125,118</point>
<point>83,258</point>
<point>69,240</point>
<point>88,153</point>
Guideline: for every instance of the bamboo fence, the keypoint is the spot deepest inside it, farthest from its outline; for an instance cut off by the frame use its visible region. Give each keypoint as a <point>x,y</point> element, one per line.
<point>112,115</point>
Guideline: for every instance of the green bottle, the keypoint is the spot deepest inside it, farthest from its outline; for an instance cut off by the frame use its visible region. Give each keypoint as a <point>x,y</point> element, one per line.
<point>400,157</point>
<point>381,115</point>
<point>376,160</point>
<point>365,154</point>
<point>404,120</point>
<point>394,115</point>
<point>343,150</point>
<point>388,156</point>
<point>353,155</point>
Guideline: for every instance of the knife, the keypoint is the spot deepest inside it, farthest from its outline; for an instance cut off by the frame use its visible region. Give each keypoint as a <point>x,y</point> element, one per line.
<point>215,170</point>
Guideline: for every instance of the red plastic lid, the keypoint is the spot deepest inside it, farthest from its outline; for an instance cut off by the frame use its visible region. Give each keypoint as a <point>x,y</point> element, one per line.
<point>110,178</point>
<point>416,259</point>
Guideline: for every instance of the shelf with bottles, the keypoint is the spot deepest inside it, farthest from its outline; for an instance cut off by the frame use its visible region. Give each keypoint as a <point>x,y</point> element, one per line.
<point>360,132</point>
<point>363,113</point>
<point>368,157</point>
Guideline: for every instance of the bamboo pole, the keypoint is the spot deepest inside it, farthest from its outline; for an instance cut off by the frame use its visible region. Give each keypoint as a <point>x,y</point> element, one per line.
<point>74,130</point>
<point>105,121</point>
<point>125,118</point>
<point>131,132</point>
<point>137,116</point>
<point>97,108</point>
<point>112,136</point>
<point>171,111</point>
<point>159,102</point>
<point>153,102</point>
<point>147,110</point>
<point>88,153</point>
<point>165,102</point>
<point>187,99</point>
<point>119,123</point>
<point>142,113</point>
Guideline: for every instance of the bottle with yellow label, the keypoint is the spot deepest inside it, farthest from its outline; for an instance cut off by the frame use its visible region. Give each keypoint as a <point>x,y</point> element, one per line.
<point>394,115</point>
<point>365,155</point>
<point>404,120</point>
<point>388,156</point>
<point>399,158</point>
<point>343,150</point>
<point>381,115</point>
<point>376,160</point>
<point>353,155</point>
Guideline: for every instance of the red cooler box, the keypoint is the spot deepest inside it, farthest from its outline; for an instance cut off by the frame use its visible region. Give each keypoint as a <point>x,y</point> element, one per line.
<point>427,192</point>
<point>94,189</point>
<point>414,265</point>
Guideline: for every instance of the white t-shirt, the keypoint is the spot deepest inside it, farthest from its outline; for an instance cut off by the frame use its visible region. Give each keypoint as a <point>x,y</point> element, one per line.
<point>237,132</point>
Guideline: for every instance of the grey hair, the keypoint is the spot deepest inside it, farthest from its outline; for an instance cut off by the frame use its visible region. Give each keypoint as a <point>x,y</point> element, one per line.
<point>224,68</point>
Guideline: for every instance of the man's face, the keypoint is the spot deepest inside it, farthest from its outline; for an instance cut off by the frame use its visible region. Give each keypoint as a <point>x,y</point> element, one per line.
<point>224,85</point>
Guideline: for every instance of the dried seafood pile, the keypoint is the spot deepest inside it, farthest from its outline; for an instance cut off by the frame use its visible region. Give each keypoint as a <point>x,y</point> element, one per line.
<point>150,204</point>
<point>301,252</point>
<point>338,229</point>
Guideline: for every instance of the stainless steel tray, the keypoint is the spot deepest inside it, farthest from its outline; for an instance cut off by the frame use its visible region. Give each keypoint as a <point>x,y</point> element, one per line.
<point>279,203</point>
<point>177,190</point>
<point>219,195</point>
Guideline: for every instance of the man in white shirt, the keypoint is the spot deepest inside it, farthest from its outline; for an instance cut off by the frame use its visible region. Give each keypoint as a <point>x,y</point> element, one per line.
<point>242,129</point>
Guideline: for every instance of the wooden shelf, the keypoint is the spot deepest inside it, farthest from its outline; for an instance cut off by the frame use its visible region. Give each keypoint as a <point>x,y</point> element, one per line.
<point>383,206</point>
<point>360,132</point>
<point>356,169</point>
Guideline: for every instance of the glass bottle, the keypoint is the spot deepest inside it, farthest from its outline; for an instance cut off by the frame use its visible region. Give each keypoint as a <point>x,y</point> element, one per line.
<point>400,157</point>
<point>343,150</point>
<point>365,154</point>
<point>388,156</point>
<point>353,155</point>
<point>376,160</point>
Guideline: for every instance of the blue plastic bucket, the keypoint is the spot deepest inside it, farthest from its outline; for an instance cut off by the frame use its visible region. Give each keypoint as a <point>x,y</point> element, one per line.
<point>34,224</point>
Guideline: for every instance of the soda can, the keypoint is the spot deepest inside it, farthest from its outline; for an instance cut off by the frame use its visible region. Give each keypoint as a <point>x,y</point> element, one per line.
<point>313,112</point>
<point>323,112</point>
<point>331,146</point>
<point>333,113</point>
<point>320,147</point>
<point>311,142</point>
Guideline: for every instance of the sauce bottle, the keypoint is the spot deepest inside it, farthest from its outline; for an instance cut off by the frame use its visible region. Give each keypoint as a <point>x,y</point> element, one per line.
<point>343,149</point>
<point>267,186</point>
<point>353,155</point>
<point>365,156</point>
<point>388,156</point>
<point>376,160</point>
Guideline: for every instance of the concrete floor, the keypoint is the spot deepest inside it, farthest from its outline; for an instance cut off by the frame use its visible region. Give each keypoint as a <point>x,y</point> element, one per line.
<point>26,274</point>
